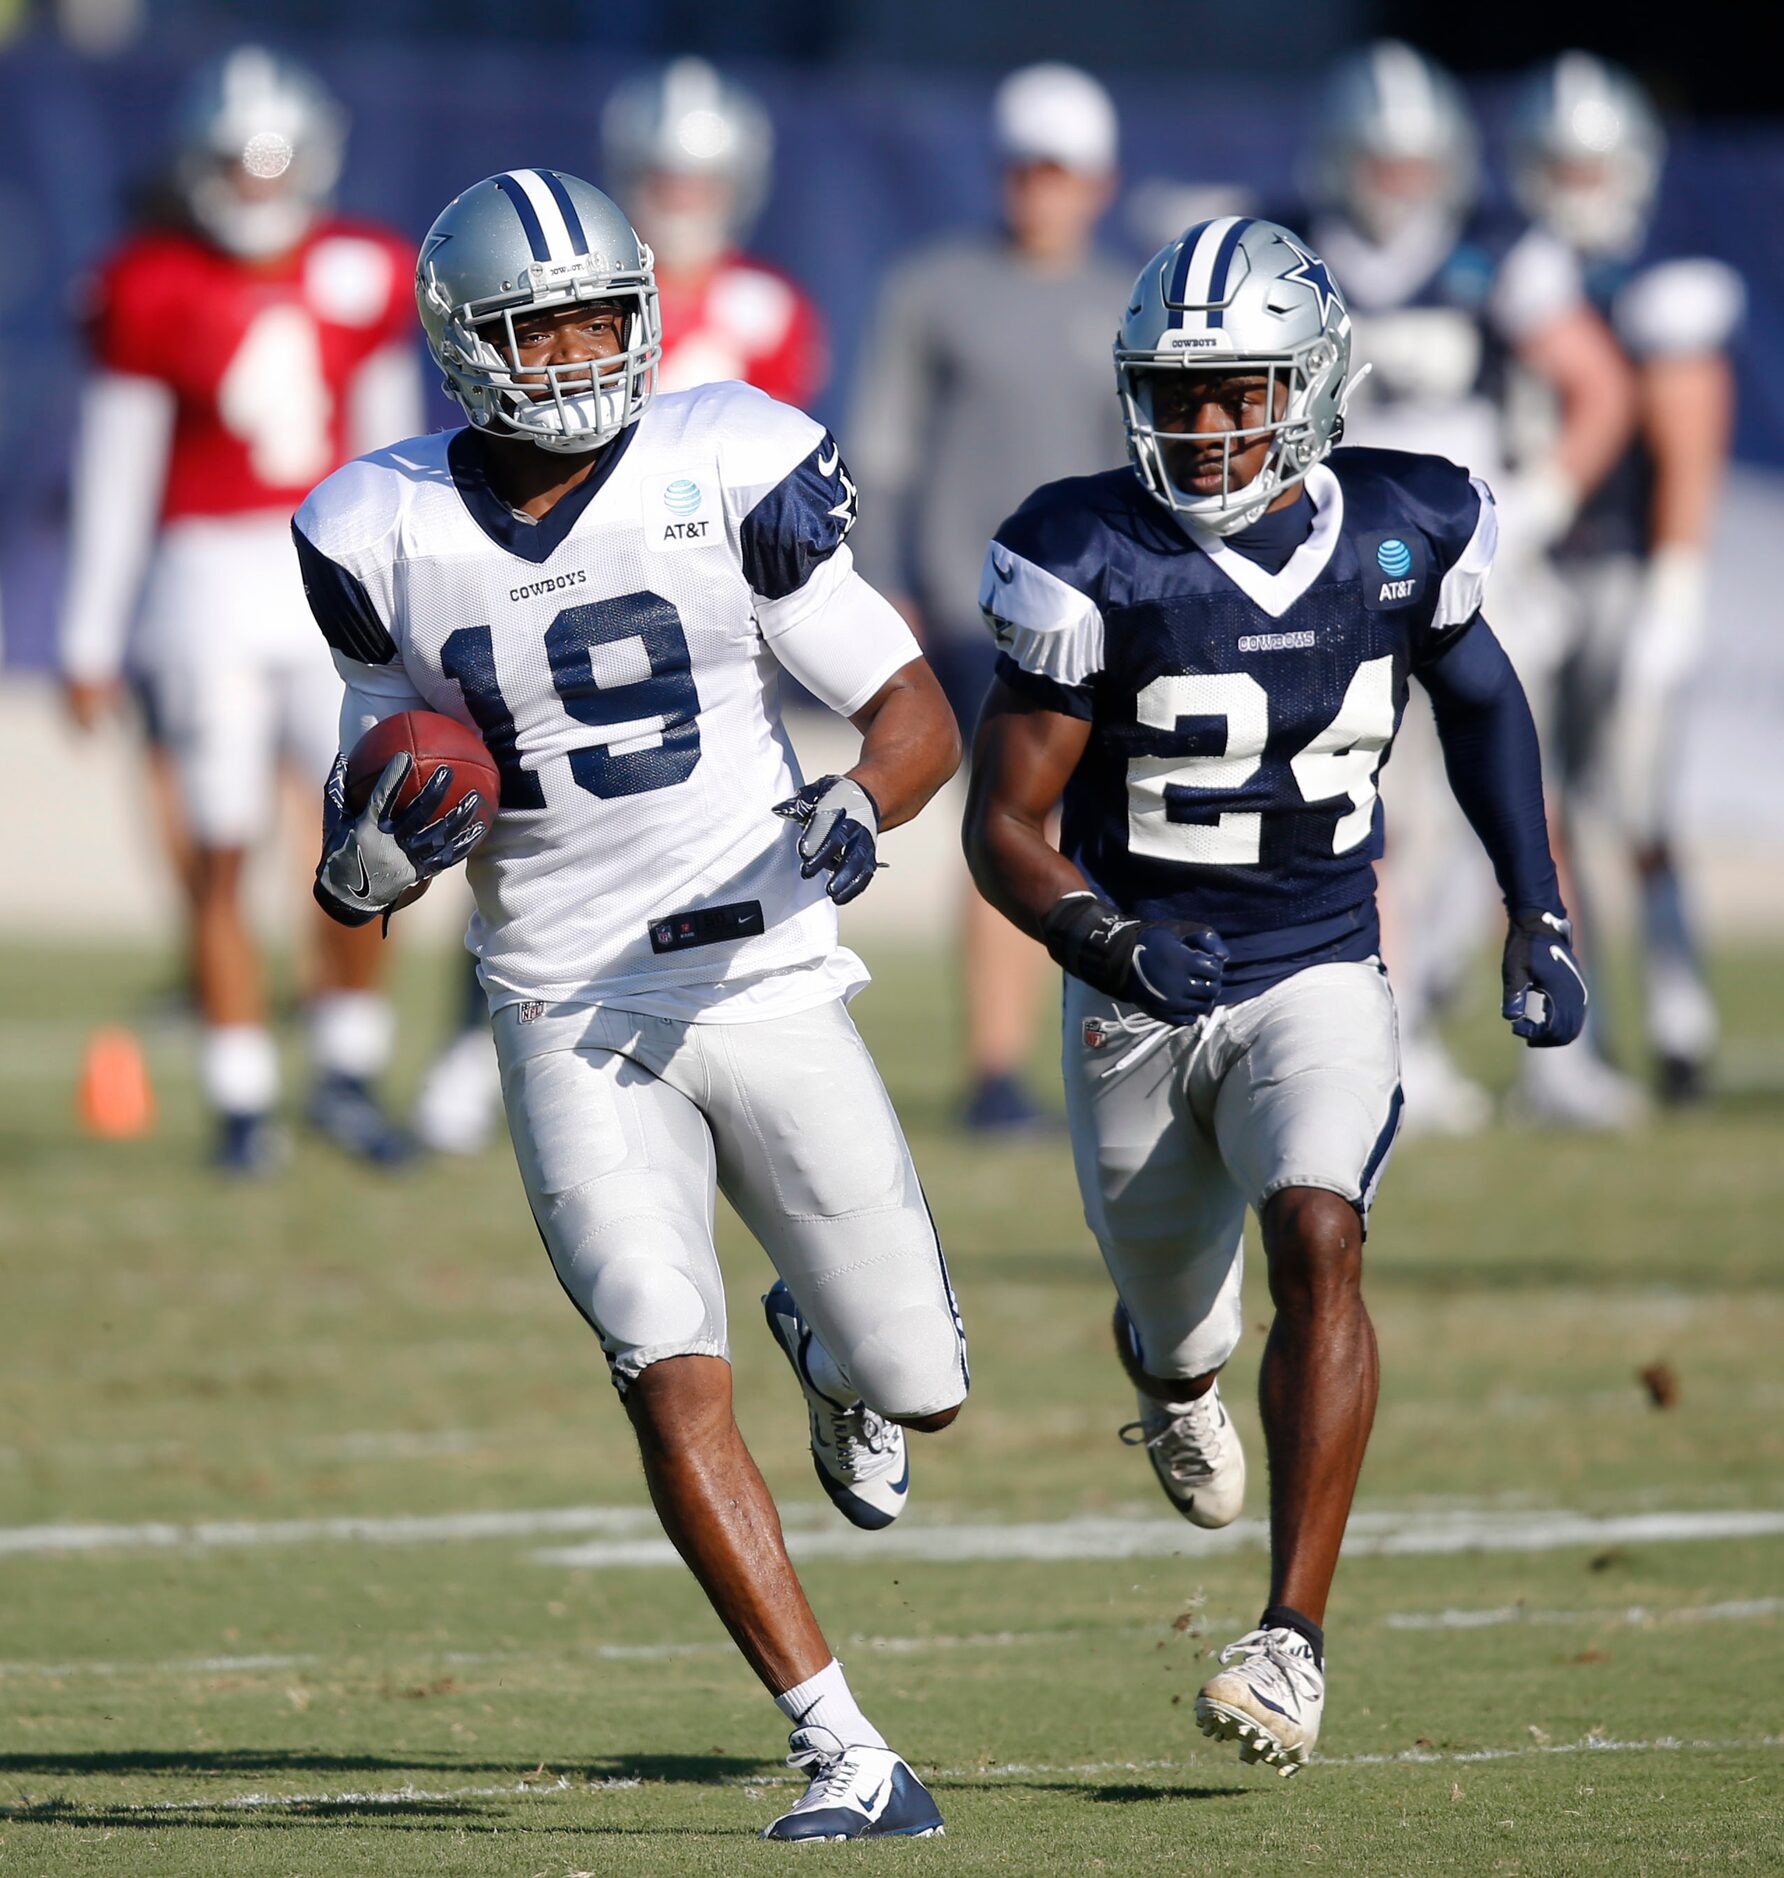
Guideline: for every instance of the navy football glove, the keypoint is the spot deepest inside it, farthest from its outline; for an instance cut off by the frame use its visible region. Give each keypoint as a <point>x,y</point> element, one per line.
<point>1545,990</point>
<point>371,860</point>
<point>839,823</point>
<point>1172,971</point>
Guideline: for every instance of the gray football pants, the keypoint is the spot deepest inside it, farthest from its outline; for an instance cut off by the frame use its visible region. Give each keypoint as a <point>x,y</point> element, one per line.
<point>1175,1131</point>
<point>626,1125</point>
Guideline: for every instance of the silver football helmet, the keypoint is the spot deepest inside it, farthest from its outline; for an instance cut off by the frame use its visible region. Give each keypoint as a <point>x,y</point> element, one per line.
<point>1393,142</point>
<point>689,152</point>
<point>1586,152</point>
<point>1231,295</point>
<point>529,239</point>
<point>260,143</point>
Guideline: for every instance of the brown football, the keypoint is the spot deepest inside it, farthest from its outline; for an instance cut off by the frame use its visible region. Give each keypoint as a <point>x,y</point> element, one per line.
<point>430,738</point>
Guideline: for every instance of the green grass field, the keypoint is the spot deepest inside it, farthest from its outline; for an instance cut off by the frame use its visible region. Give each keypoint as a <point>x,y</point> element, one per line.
<point>237,1677</point>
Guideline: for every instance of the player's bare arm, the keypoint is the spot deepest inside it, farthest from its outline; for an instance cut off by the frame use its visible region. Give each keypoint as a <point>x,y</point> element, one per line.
<point>1023,757</point>
<point>1687,422</point>
<point>1596,391</point>
<point>910,744</point>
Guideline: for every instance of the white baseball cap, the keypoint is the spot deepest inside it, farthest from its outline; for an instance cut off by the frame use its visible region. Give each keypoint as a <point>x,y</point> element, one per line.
<point>1055,114</point>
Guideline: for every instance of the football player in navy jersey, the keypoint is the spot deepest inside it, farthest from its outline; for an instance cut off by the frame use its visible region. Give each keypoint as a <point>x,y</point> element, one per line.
<point>1204,657</point>
<point>1588,151</point>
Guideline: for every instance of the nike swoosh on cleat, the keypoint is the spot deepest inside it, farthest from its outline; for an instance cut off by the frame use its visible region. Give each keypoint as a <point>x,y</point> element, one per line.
<point>1276,1706</point>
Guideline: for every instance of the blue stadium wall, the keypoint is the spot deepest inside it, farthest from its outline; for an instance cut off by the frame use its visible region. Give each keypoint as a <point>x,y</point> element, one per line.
<point>869,163</point>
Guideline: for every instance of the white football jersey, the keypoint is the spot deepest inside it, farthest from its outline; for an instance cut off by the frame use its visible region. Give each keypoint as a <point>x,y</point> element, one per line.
<point>616,657</point>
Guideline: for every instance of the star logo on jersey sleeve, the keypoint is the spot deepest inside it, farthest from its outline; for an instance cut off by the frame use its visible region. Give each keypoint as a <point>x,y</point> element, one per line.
<point>1311,273</point>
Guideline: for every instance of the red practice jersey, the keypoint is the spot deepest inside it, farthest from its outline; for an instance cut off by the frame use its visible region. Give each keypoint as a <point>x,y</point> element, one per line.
<point>259,358</point>
<point>748,321</point>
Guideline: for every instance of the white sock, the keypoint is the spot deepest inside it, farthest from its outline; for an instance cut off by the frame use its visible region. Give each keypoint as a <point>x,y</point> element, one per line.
<point>824,1701</point>
<point>238,1068</point>
<point>351,1033</point>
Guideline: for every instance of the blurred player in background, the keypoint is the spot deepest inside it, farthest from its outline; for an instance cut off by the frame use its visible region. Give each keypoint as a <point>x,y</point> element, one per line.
<point>1456,309</point>
<point>987,369</point>
<point>236,360</point>
<point>689,154</point>
<point>1587,151</point>
<point>659,951</point>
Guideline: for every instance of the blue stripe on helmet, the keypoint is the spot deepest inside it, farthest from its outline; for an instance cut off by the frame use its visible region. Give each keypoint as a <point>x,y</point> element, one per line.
<point>1217,279</point>
<point>561,196</point>
<point>1180,273</point>
<point>529,216</point>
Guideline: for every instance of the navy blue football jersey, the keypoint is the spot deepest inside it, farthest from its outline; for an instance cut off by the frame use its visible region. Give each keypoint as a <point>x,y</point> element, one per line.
<point>1239,718</point>
<point>1658,304</point>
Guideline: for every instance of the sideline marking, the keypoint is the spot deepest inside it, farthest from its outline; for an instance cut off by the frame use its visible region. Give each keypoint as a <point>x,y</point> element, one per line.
<point>982,1776</point>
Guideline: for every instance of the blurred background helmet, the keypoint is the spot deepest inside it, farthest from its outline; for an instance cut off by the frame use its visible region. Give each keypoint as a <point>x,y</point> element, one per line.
<point>690,153</point>
<point>526,240</point>
<point>1586,152</point>
<point>1233,295</point>
<point>1394,143</point>
<point>260,141</point>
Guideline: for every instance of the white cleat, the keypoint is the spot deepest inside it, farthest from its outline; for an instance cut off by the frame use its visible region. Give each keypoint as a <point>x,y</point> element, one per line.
<point>855,1793</point>
<point>1196,1454</point>
<point>460,1103</point>
<point>1270,1702</point>
<point>860,1457</point>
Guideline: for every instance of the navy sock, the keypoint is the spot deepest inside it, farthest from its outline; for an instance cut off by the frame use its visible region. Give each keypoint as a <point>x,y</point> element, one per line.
<point>1281,1617</point>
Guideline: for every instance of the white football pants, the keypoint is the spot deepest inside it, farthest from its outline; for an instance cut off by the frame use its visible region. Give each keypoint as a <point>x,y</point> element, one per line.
<point>624,1127</point>
<point>1175,1131</point>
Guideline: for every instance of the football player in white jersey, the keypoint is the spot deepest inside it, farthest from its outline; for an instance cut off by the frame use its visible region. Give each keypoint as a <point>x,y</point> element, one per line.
<point>607,583</point>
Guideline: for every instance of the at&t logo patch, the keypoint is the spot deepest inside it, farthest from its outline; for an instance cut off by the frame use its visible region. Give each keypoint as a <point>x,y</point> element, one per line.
<point>1392,570</point>
<point>681,511</point>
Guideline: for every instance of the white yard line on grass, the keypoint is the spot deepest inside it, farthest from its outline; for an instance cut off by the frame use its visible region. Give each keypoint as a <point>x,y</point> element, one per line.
<point>1634,1616</point>
<point>629,1535</point>
<point>562,1784</point>
<point>1383,1534</point>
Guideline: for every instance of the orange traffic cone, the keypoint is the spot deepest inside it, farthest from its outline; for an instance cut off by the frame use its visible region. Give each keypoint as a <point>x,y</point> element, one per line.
<point>116,1101</point>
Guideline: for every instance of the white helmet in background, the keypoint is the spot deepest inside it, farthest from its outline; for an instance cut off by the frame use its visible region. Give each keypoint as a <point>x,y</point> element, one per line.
<point>1586,153</point>
<point>689,153</point>
<point>1235,295</point>
<point>260,146</point>
<point>1393,144</point>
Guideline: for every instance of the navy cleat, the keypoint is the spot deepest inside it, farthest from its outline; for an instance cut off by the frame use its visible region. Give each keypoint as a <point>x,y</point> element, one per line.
<point>855,1793</point>
<point>343,1110</point>
<point>249,1145</point>
<point>859,1456</point>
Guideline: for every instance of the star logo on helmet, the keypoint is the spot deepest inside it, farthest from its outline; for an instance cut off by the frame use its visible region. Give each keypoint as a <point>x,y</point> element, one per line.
<point>1312,274</point>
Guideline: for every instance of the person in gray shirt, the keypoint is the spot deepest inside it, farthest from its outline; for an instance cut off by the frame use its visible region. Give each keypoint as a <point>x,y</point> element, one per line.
<point>986,372</point>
